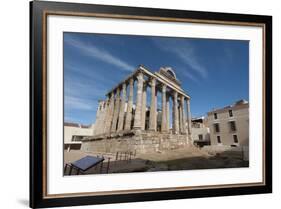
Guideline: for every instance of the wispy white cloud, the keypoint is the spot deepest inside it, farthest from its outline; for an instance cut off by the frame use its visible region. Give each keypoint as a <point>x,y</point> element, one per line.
<point>81,95</point>
<point>77,103</point>
<point>190,76</point>
<point>88,73</point>
<point>90,50</point>
<point>74,87</point>
<point>185,52</point>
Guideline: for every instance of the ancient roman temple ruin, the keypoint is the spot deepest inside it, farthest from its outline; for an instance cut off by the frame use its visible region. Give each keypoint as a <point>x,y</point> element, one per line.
<point>131,120</point>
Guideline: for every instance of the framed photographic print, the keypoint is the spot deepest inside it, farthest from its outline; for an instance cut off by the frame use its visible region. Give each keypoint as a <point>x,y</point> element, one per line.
<point>139,104</point>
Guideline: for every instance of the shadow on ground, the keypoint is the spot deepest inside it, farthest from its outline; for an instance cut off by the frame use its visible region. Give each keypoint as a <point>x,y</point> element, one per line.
<point>23,202</point>
<point>148,163</point>
<point>221,160</point>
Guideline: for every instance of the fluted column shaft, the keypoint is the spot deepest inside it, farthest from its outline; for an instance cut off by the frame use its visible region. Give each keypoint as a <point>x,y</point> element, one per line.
<point>164,110</point>
<point>103,127</point>
<point>137,118</point>
<point>176,114</point>
<point>116,111</point>
<point>98,118</point>
<point>122,108</point>
<point>180,118</point>
<point>128,120</point>
<point>143,107</point>
<point>168,113</point>
<point>110,112</point>
<point>188,115</point>
<point>183,116</point>
<point>152,114</point>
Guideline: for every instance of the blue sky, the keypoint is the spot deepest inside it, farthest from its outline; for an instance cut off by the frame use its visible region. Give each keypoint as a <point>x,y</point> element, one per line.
<point>213,72</point>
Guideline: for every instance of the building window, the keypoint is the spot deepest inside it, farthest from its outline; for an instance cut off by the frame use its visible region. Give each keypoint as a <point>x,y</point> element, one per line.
<point>200,136</point>
<point>230,113</point>
<point>76,138</point>
<point>217,127</point>
<point>232,126</point>
<point>219,139</point>
<point>235,138</point>
<point>215,115</point>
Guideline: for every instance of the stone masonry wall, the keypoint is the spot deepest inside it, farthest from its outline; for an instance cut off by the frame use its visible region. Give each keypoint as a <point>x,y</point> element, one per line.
<point>143,142</point>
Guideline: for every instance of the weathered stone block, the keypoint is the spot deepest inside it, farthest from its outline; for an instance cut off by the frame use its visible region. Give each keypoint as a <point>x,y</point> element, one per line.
<point>141,142</point>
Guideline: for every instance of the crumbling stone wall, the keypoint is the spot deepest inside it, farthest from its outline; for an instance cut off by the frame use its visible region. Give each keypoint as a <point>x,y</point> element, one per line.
<point>143,142</point>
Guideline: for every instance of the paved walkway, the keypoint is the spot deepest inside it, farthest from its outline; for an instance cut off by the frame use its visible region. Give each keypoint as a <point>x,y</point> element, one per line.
<point>181,159</point>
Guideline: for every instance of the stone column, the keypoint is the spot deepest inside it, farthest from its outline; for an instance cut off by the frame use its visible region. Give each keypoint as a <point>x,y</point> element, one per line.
<point>188,115</point>
<point>110,113</point>
<point>104,128</point>
<point>116,111</point>
<point>176,114</point>
<point>128,120</point>
<point>143,107</point>
<point>137,118</point>
<point>122,108</point>
<point>152,114</point>
<point>180,118</point>
<point>168,112</point>
<point>183,115</point>
<point>98,118</point>
<point>164,110</point>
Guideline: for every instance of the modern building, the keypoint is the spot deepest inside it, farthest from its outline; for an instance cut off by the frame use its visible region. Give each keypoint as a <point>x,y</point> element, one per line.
<point>130,118</point>
<point>74,133</point>
<point>200,132</point>
<point>229,126</point>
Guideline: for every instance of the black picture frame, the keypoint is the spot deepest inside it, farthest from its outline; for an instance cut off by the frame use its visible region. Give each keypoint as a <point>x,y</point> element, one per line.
<point>38,11</point>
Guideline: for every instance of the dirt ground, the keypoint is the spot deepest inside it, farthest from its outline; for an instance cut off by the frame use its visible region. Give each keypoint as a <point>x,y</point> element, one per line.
<point>183,159</point>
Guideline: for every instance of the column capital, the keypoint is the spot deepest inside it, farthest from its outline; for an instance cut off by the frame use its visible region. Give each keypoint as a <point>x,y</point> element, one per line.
<point>182,98</point>
<point>131,81</point>
<point>140,76</point>
<point>153,82</point>
<point>112,94</point>
<point>164,88</point>
<point>118,91</point>
<point>124,85</point>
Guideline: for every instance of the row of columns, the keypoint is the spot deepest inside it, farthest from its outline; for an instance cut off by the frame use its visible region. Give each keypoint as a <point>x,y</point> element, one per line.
<point>115,120</point>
